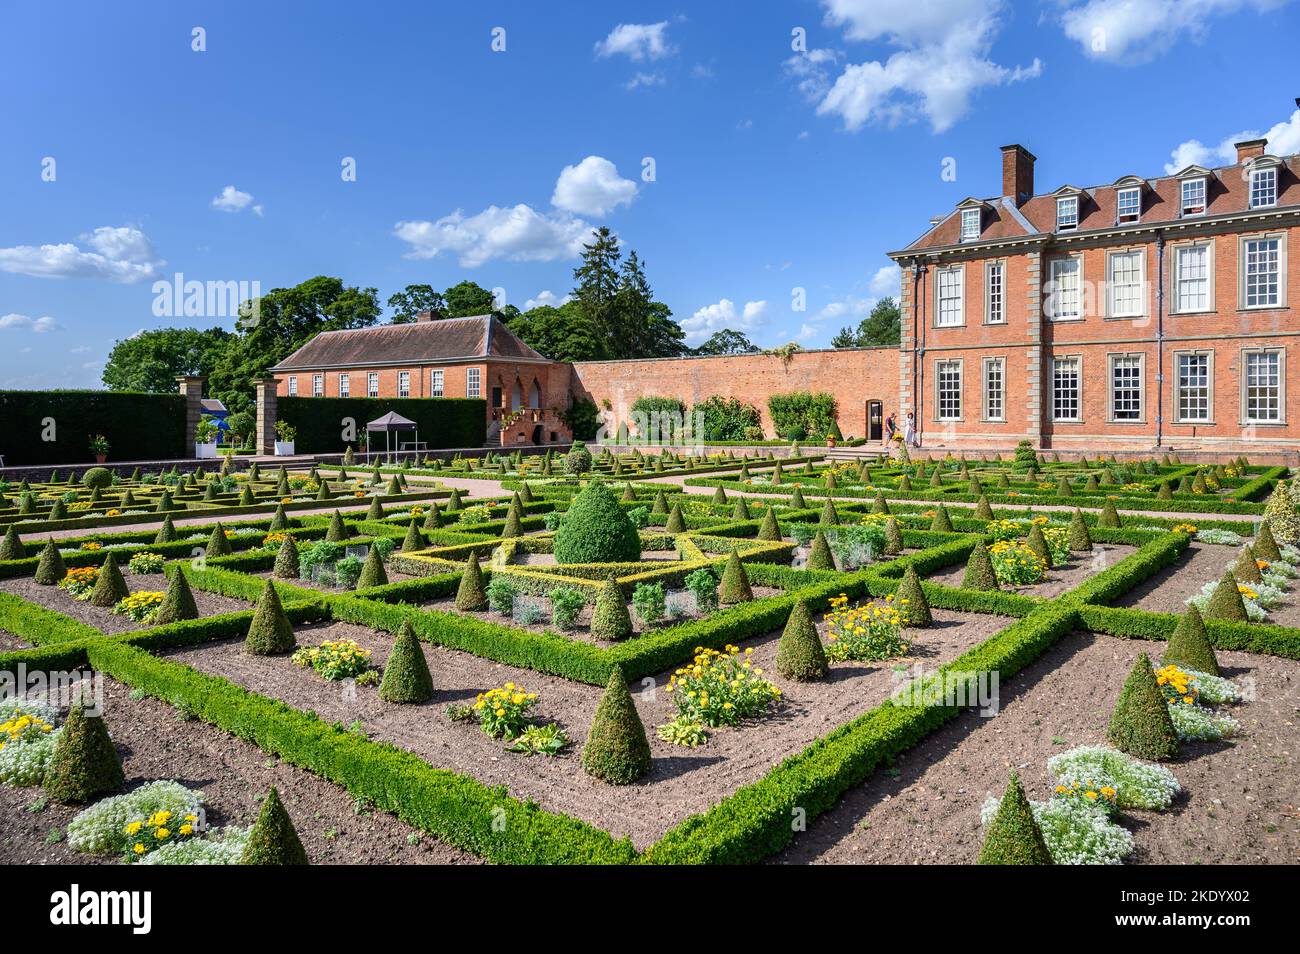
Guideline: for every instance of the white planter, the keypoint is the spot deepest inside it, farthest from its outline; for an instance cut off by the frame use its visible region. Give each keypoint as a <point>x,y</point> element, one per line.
<point>205,450</point>
<point>284,448</point>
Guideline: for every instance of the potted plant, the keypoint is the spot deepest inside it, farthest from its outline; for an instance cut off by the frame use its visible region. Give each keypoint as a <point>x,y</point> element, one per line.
<point>833,435</point>
<point>285,434</point>
<point>99,447</point>
<point>205,439</point>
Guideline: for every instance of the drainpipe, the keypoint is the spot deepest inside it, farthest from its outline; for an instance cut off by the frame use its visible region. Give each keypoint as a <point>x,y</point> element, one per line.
<point>1160,336</point>
<point>918,358</point>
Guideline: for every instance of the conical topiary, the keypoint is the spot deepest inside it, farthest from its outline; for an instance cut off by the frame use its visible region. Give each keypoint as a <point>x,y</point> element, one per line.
<point>740,509</point>
<point>1226,603</point>
<point>1265,545</point>
<point>799,655</point>
<point>819,555</point>
<point>910,600</point>
<point>1109,516</point>
<point>84,764</point>
<point>413,540</point>
<point>796,499</point>
<point>979,570</point>
<point>272,840</point>
<point>338,530</point>
<point>167,532</point>
<point>828,518</point>
<point>983,509</point>
<point>471,595</point>
<point>719,495</point>
<point>1014,837</point>
<point>372,571</point>
<point>1189,647</point>
<point>941,522</point>
<point>893,538</point>
<point>610,619</point>
<point>279,520</point>
<point>629,495</point>
<point>11,548</point>
<point>1078,539</point>
<point>661,502</point>
<point>769,531</point>
<point>513,527</point>
<point>432,519</point>
<point>1038,543</point>
<point>617,751</point>
<point>218,543</point>
<point>286,561</point>
<point>1140,724</point>
<point>1246,570</point>
<point>406,676</point>
<point>734,587</point>
<point>376,510</point>
<point>270,632</point>
<point>676,522</point>
<point>880,505</point>
<point>178,602</point>
<point>110,588</point>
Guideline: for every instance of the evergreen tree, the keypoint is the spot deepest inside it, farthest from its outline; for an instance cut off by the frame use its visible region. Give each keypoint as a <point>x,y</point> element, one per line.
<point>1140,723</point>
<point>178,602</point>
<point>84,764</point>
<point>617,750</point>
<point>270,632</point>
<point>372,571</point>
<point>1014,837</point>
<point>800,655</point>
<point>406,676</point>
<point>471,594</point>
<point>1189,647</point>
<point>610,619</point>
<point>286,561</point>
<point>979,570</point>
<point>273,840</point>
<point>910,600</point>
<point>819,555</point>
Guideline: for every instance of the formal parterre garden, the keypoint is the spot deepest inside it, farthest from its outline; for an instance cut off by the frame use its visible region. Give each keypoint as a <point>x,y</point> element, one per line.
<point>590,666</point>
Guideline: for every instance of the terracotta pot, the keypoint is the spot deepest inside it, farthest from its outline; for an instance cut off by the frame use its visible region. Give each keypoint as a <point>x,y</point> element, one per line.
<point>100,458</point>
<point>830,442</point>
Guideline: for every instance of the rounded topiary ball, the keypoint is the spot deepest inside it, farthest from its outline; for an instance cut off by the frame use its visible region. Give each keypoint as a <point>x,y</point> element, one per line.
<point>597,530</point>
<point>578,459</point>
<point>97,478</point>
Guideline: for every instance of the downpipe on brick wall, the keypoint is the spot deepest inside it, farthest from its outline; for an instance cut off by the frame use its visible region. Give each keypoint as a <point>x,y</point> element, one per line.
<point>1160,336</point>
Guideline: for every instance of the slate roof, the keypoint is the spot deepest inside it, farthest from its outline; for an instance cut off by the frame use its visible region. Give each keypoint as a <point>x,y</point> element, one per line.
<point>475,338</point>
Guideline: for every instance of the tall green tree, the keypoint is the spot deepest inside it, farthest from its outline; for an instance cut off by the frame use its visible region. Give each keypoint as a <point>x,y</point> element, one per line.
<point>152,360</point>
<point>468,298</point>
<point>562,334</point>
<point>615,297</point>
<point>727,341</point>
<point>412,300</point>
<point>882,327</point>
<point>283,320</point>
<point>596,285</point>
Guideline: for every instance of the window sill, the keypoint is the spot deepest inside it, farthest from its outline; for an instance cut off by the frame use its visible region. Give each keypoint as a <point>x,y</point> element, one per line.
<point>1255,309</point>
<point>1063,321</point>
<point>1125,421</point>
<point>1191,423</point>
<point>1261,424</point>
<point>1071,421</point>
<point>1189,314</point>
<point>1128,317</point>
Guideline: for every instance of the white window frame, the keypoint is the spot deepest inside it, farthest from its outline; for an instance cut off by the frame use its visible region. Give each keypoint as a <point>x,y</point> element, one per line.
<point>970,224</point>
<point>940,274</point>
<point>318,385</point>
<point>1246,355</point>
<point>995,295</point>
<point>437,383</point>
<point>1113,361</point>
<point>1053,266</point>
<point>1180,389</point>
<point>473,383</point>
<point>1077,362</point>
<point>1193,208</point>
<point>1176,276</point>
<point>372,384</point>
<point>345,384</point>
<point>1258,191</point>
<point>944,366</point>
<point>293,385</point>
<point>1139,308</point>
<point>403,384</point>
<point>1067,213</point>
<point>989,396</point>
<point>1243,251</point>
<point>1133,193</point>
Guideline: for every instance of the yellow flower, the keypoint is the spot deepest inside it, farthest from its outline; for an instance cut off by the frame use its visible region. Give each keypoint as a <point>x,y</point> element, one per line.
<point>138,849</point>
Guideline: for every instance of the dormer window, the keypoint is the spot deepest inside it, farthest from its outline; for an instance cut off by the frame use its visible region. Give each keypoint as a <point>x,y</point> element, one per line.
<point>1193,196</point>
<point>970,225</point>
<point>1263,187</point>
<point>1128,205</point>
<point>1067,213</point>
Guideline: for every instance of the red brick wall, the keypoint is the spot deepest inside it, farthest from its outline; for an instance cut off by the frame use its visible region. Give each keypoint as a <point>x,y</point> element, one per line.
<point>853,377</point>
<point>553,380</point>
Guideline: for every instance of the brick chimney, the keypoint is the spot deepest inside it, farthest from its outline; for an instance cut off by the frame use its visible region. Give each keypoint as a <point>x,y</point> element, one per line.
<point>1017,173</point>
<point>424,316</point>
<point>1250,149</point>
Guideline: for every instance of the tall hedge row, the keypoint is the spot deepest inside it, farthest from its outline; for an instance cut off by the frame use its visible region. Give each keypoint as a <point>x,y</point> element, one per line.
<point>138,426</point>
<point>442,422</point>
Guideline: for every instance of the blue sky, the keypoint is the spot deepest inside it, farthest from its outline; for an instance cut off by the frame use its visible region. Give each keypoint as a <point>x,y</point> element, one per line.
<point>775,169</point>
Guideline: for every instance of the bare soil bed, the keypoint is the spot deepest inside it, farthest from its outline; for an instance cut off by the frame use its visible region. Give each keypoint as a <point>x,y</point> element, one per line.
<point>58,599</point>
<point>9,642</point>
<point>682,781</point>
<point>1059,580</point>
<point>393,577</point>
<point>582,629</point>
<point>1241,799</point>
<point>233,775</point>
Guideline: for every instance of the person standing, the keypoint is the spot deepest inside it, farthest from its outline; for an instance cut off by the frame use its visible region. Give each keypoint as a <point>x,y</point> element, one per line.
<point>909,431</point>
<point>891,428</point>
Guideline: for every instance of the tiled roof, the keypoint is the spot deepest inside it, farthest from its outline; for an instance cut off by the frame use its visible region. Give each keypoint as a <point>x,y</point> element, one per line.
<point>1228,188</point>
<point>420,342</point>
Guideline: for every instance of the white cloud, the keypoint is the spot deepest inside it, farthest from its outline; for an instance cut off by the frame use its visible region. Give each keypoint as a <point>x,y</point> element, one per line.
<point>848,310</point>
<point>942,60</point>
<point>637,41</point>
<point>517,234</point>
<point>592,187</point>
<point>119,254</point>
<point>80,349</point>
<point>887,280</point>
<point>723,314</point>
<point>1136,31</point>
<point>645,79</point>
<point>546,297</point>
<point>1283,140</point>
<point>232,200</point>
<point>25,323</point>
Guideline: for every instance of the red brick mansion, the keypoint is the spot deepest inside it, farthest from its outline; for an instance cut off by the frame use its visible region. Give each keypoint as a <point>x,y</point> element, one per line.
<point>1124,316</point>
